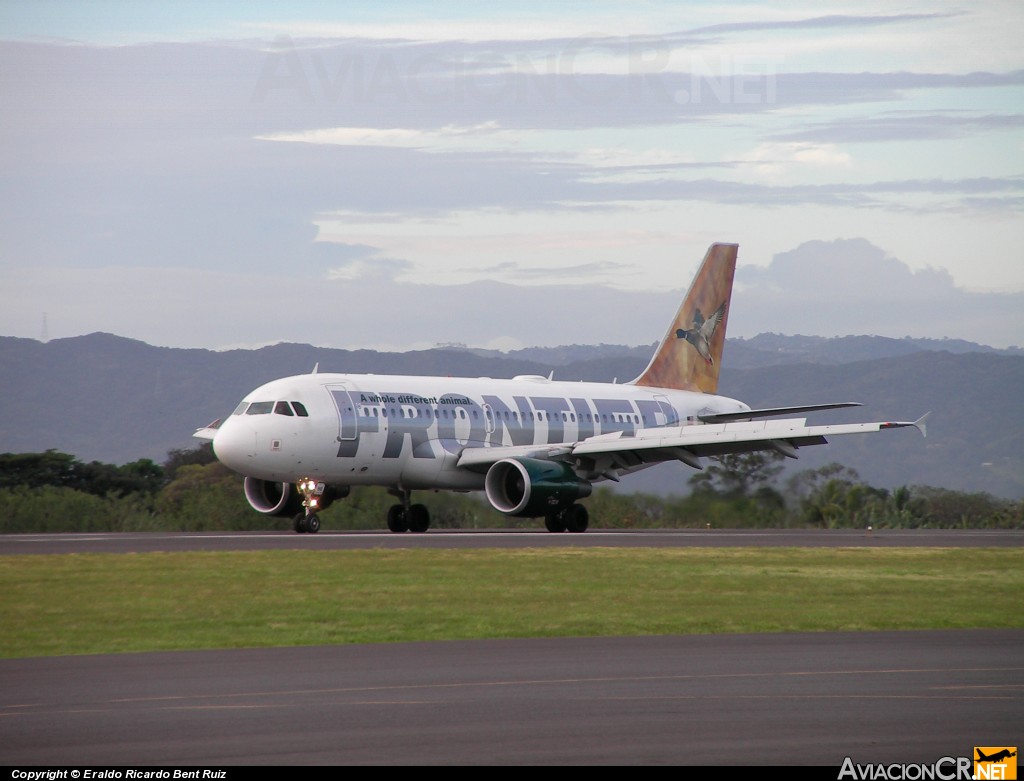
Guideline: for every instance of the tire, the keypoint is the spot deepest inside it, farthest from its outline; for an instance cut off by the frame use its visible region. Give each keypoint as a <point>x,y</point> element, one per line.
<point>299,523</point>
<point>397,520</point>
<point>419,518</point>
<point>312,524</point>
<point>577,519</point>
<point>555,523</point>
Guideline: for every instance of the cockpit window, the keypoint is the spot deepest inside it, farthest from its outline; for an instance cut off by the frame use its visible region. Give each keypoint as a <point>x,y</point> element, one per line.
<point>300,409</point>
<point>240,408</point>
<point>260,408</point>
<point>282,408</point>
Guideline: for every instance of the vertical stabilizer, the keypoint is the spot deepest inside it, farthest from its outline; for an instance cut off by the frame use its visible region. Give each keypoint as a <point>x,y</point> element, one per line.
<point>690,355</point>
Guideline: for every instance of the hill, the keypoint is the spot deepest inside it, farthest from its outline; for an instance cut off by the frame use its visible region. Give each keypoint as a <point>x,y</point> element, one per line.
<point>113,399</point>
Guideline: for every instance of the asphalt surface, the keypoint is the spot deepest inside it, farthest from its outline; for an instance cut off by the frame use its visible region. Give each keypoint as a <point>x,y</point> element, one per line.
<point>803,699</point>
<point>12,544</point>
<point>911,697</point>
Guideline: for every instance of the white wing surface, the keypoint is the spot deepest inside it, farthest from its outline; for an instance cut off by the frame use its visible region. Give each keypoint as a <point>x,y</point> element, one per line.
<point>686,443</point>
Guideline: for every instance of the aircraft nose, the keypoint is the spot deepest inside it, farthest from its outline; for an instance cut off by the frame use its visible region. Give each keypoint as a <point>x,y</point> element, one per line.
<point>233,444</point>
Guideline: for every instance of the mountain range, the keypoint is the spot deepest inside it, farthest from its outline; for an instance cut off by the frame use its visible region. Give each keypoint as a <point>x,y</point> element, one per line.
<point>109,398</point>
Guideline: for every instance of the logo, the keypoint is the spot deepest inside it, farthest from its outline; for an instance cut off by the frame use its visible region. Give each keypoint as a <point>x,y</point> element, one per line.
<point>995,762</point>
<point>703,332</point>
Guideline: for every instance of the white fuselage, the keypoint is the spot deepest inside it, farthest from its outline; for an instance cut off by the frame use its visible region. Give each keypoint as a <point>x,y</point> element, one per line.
<point>409,431</point>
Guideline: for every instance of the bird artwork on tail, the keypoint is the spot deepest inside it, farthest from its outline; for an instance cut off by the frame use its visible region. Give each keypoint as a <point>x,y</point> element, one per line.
<point>703,332</point>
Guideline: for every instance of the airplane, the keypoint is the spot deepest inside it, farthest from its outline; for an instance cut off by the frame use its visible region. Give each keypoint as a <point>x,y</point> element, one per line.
<point>997,757</point>
<point>533,445</point>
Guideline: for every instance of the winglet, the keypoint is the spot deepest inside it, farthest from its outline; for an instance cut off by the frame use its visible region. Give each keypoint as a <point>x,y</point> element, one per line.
<point>920,426</point>
<point>690,355</point>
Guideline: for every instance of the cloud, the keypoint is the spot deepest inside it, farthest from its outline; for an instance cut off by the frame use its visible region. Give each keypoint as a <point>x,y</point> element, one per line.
<point>850,286</point>
<point>522,272</point>
<point>846,286</point>
<point>143,166</point>
<point>769,158</point>
<point>369,268</point>
<point>825,22</point>
<point>905,127</point>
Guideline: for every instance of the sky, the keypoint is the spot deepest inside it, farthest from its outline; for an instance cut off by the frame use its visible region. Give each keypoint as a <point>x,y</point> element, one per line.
<point>396,175</point>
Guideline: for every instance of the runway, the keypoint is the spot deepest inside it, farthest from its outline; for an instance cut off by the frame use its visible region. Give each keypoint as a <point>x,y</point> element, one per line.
<point>803,699</point>
<point>806,699</point>
<point>148,542</point>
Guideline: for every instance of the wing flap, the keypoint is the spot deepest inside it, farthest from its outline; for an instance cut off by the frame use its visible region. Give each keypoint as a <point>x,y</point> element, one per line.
<point>713,439</point>
<point>688,443</point>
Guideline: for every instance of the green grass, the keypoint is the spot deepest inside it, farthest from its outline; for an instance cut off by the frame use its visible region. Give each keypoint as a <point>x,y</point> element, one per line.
<point>98,603</point>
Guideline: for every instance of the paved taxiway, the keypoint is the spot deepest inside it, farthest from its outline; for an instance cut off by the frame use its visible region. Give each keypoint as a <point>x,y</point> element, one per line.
<point>715,700</point>
<point>725,699</point>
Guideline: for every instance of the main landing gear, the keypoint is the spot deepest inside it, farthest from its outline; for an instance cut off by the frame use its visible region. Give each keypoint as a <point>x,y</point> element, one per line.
<point>307,520</point>
<point>407,517</point>
<point>573,518</point>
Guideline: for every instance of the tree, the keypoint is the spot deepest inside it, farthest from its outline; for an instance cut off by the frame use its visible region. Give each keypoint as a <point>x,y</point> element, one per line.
<point>38,469</point>
<point>62,470</point>
<point>201,454</point>
<point>739,475</point>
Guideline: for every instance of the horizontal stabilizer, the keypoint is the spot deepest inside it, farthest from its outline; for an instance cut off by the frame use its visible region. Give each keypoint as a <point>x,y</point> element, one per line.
<point>208,431</point>
<point>767,412</point>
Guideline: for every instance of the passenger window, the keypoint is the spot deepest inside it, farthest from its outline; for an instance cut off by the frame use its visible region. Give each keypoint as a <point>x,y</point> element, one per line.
<point>300,409</point>
<point>282,408</point>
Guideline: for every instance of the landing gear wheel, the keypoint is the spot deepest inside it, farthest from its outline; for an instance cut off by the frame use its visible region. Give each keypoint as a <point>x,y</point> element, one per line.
<point>312,524</point>
<point>419,518</point>
<point>555,522</point>
<point>576,518</point>
<point>299,523</point>
<point>398,520</point>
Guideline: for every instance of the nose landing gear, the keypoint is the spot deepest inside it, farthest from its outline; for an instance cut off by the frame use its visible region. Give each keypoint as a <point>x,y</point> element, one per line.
<point>307,520</point>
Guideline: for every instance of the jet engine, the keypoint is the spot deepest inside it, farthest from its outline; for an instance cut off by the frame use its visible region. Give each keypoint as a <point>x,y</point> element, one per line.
<point>531,487</point>
<point>284,499</point>
<point>280,499</point>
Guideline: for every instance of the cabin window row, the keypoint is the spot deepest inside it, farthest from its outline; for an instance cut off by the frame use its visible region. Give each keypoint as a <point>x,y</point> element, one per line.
<point>540,415</point>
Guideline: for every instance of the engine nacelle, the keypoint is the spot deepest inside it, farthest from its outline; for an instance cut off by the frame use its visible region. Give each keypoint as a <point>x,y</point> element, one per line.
<point>284,499</point>
<point>531,486</point>
<point>270,498</point>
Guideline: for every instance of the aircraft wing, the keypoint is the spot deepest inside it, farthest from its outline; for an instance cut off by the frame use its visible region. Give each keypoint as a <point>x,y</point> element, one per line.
<point>687,443</point>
